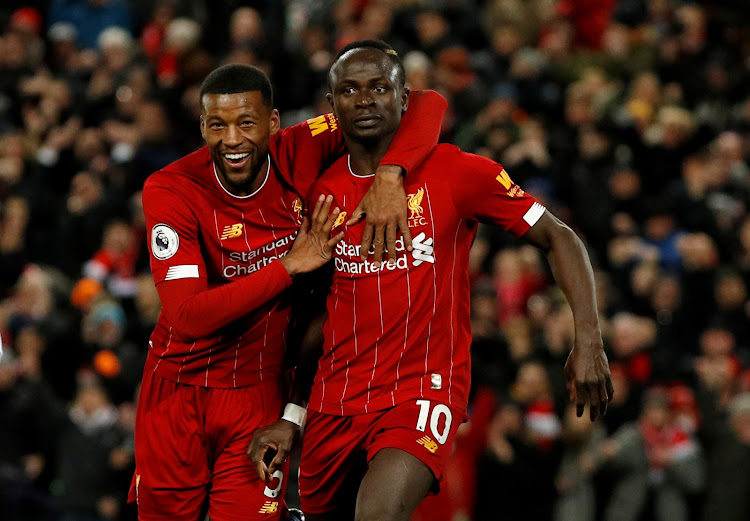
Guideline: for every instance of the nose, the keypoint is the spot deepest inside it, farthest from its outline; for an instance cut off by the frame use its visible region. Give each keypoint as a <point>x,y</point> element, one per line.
<point>365,99</point>
<point>233,136</point>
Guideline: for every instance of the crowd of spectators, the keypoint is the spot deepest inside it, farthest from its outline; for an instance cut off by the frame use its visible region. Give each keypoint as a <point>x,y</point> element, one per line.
<point>629,119</point>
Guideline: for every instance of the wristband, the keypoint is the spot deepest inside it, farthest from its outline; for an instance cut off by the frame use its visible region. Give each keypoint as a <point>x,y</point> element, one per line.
<point>295,414</point>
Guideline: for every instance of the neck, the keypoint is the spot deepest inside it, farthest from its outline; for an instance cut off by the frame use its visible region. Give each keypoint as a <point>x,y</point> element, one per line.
<point>366,155</point>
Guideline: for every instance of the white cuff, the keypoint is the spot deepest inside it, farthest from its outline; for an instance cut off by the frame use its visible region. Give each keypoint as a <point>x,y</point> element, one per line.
<point>295,414</point>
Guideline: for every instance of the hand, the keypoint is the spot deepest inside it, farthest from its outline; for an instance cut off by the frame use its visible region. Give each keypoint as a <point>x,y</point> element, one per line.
<point>384,205</point>
<point>588,379</point>
<point>280,436</point>
<point>313,246</point>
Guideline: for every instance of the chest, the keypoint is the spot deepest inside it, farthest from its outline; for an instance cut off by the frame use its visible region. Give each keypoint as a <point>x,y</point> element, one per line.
<point>243,237</point>
<point>432,220</point>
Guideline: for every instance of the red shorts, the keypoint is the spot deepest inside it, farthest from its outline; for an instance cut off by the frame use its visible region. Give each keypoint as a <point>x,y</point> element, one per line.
<point>337,449</point>
<point>190,452</point>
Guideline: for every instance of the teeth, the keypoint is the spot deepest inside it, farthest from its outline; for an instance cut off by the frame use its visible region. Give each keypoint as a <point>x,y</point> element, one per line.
<point>235,157</point>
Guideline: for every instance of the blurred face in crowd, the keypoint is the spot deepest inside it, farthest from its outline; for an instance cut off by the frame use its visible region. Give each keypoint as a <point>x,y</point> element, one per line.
<point>237,129</point>
<point>367,94</point>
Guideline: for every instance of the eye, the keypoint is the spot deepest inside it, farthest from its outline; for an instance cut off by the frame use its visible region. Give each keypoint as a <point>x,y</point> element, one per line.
<point>348,90</point>
<point>247,123</point>
<point>216,126</point>
<point>380,89</point>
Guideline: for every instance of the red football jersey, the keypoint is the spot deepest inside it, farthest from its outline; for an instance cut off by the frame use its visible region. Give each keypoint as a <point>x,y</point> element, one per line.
<point>403,332</point>
<point>214,256</point>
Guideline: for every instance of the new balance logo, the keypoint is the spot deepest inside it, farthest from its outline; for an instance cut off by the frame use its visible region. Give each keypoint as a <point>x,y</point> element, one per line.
<point>232,230</point>
<point>428,443</point>
<point>423,249</point>
<point>269,507</point>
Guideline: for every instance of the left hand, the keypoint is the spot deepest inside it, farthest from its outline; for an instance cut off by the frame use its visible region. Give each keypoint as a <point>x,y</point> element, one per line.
<point>280,436</point>
<point>384,206</point>
<point>588,378</point>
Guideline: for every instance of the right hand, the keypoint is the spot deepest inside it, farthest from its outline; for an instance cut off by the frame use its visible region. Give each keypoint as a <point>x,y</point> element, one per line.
<point>313,246</point>
<point>280,436</point>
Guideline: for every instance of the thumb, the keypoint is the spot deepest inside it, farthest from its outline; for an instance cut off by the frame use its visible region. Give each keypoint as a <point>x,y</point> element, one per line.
<point>357,215</point>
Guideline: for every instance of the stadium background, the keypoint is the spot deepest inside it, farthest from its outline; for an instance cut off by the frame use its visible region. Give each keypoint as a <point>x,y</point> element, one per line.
<point>629,119</point>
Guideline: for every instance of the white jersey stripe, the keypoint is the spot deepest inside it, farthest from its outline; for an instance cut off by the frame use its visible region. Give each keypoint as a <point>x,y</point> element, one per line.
<point>375,362</point>
<point>406,329</point>
<point>183,362</point>
<point>453,311</point>
<point>182,271</point>
<point>169,342</point>
<point>268,317</point>
<point>434,294</point>
<point>533,214</point>
<point>218,236</point>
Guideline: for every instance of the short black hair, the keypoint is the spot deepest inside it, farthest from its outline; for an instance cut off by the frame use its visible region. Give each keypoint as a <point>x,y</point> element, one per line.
<point>373,44</point>
<point>234,78</point>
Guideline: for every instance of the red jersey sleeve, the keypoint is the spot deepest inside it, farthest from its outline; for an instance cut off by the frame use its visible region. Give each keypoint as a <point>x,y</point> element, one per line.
<point>419,131</point>
<point>179,271</point>
<point>303,151</point>
<point>483,191</point>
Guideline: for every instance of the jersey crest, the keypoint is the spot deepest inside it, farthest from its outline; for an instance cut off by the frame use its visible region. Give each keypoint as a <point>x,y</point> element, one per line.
<point>414,204</point>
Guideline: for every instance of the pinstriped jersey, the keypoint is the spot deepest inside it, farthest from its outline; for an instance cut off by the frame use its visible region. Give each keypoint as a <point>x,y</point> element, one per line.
<point>402,331</point>
<point>198,230</point>
<point>204,240</point>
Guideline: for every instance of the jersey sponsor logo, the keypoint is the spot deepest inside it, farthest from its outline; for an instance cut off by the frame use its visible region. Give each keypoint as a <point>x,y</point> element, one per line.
<point>347,256</point>
<point>339,220</point>
<point>322,123</point>
<point>414,204</point>
<point>269,507</point>
<point>231,231</point>
<point>251,261</point>
<point>164,241</point>
<point>428,443</point>
<point>423,249</point>
<point>513,190</point>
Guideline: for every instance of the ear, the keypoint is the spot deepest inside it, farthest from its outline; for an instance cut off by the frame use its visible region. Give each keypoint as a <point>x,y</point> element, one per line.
<point>275,121</point>
<point>329,97</point>
<point>405,99</point>
<point>203,127</point>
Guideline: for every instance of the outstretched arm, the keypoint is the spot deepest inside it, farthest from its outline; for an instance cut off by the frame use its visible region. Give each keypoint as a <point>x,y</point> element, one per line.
<point>193,309</point>
<point>587,368</point>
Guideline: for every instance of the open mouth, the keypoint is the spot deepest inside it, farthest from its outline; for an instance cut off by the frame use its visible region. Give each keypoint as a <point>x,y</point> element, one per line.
<point>236,159</point>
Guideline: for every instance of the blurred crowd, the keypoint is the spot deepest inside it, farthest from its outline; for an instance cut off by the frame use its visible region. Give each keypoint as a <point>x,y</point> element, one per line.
<point>629,119</point>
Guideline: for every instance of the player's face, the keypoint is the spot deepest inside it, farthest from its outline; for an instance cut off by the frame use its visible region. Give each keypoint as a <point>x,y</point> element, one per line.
<point>237,129</point>
<point>367,97</point>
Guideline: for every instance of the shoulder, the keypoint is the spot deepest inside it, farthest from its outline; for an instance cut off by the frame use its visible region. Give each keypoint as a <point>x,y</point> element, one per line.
<point>196,165</point>
<point>451,155</point>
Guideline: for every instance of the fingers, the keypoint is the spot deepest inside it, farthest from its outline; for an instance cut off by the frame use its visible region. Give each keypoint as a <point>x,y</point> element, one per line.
<point>378,245</point>
<point>333,241</point>
<point>582,395</point>
<point>390,241</point>
<point>257,456</point>
<point>277,461</point>
<point>318,204</point>
<point>593,392</point>
<point>366,240</point>
<point>403,225</point>
<point>322,217</point>
<point>610,388</point>
<point>357,215</point>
